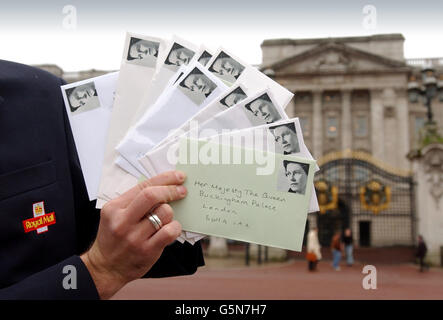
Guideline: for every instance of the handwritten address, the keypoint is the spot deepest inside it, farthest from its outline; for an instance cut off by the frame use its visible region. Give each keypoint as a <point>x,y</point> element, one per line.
<point>223,203</point>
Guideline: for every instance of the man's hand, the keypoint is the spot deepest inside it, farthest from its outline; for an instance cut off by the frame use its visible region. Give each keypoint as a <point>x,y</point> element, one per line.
<point>127,245</point>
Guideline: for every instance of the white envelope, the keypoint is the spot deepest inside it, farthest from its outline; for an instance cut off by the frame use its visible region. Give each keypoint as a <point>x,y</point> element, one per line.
<point>122,162</point>
<point>129,168</point>
<point>166,71</point>
<point>89,104</point>
<point>230,69</point>
<point>134,79</point>
<point>196,89</point>
<point>234,95</point>
<point>124,175</point>
<point>165,76</point>
<point>234,118</point>
<point>247,82</point>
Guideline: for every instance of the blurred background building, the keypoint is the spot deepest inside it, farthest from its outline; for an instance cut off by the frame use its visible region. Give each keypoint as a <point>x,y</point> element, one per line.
<point>361,114</point>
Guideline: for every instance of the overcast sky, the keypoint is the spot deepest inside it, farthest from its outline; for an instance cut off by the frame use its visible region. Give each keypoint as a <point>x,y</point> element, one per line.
<point>32,32</point>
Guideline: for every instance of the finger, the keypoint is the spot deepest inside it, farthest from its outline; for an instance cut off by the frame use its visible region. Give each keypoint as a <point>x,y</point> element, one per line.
<point>163,179</point>
<point>168,178</point>
<point>166,235</point>
<point>149,197</point>
<point>145,229</point>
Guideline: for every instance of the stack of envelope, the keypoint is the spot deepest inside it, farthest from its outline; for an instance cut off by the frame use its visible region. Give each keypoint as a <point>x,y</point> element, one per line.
<point>126,124</point>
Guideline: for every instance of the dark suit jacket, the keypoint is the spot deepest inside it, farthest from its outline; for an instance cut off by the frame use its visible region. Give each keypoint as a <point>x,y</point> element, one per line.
<point>38,162</point>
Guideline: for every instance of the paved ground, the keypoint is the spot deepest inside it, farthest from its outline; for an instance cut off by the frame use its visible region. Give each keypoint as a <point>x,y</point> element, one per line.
<point>290,280</point>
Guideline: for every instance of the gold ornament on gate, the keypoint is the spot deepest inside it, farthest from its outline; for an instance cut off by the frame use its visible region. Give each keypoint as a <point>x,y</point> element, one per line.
<point>327,196</point>
<point>375,196</point>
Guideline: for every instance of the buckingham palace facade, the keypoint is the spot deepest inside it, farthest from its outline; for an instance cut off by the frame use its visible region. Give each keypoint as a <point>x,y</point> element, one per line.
<point>352,99</point>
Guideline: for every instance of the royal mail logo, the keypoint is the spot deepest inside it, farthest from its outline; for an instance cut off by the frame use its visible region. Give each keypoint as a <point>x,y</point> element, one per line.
<point>41,220</point>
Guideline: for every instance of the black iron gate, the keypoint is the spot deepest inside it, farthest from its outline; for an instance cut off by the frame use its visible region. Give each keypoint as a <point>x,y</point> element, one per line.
<point>377,202</point>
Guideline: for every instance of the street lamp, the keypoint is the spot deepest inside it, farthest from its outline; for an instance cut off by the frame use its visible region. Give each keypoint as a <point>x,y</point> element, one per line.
<point>427,90</point>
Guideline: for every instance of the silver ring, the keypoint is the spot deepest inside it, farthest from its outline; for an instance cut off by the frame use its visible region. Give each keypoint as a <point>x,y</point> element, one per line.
<point>154,222</point>
<point>157,219</point>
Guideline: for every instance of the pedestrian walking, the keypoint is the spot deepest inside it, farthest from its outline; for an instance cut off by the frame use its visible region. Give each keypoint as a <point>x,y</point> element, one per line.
<point>422,249</point>
<point>336,247</point>
<point>349,247</point>
<point>313,253</point>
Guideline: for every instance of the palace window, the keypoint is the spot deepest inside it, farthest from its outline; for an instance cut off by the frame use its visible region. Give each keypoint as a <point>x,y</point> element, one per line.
<point>332,127</point>
<point>361,126</point>
<point>305,127</point>
<point>303,98</point>
<point>360,96</point>
<point>331,97</point>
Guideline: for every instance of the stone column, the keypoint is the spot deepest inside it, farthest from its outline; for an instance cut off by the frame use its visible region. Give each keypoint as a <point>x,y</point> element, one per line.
<point>428,175</point>
<point>274,254</point>
<point>377,125</point>
<point>403,130</point>
<point>218,247</point>
<point>317,123</point>
<point>346,121</point>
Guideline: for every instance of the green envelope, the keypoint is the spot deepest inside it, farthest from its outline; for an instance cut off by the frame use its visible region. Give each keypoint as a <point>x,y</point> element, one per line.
<point>228,198</point>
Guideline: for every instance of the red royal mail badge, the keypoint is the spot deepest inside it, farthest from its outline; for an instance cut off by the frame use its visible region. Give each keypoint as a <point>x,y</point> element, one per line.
<point>41,219</point>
